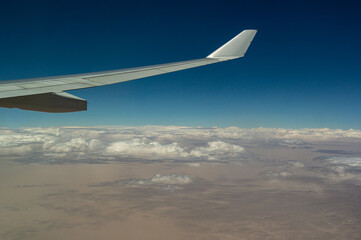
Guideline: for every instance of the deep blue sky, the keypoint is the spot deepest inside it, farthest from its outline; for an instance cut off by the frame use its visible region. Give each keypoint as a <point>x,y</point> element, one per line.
<point>303,69</point>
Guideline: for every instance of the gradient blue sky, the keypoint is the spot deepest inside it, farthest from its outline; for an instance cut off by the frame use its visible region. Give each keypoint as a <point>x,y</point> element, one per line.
<point>302,70</point>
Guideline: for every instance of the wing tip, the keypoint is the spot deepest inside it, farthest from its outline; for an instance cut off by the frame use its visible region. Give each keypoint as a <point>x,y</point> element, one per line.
<point>236,47</point>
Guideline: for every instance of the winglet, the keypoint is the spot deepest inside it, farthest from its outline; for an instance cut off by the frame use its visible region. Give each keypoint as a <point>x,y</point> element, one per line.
<point>236,47</point>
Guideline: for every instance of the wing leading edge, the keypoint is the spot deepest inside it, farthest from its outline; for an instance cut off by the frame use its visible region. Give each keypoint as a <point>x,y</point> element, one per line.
<point>48,94</point>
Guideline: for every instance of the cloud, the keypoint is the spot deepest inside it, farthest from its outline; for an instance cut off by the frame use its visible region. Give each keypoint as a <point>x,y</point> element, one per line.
<point>104,144</point>
<point>194,164</point>
<point>276,174</point>
<point>290,135</point>
<point>157,179</point>
<point>344,169</point>
<point>298,165</point>
<point>294,141</point>
<point>141,148</point>
<point>216,149</point>
<point>354,162</point>
<point>171,179</point>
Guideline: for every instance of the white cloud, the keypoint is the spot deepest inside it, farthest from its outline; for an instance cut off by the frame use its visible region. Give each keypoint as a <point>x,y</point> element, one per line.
<point>285,174</point>
<point>141,148</point>
<point>216,149</point>
<point>170,179</point>
<point>293,141</point>
<point>276,174</point>
<point>17,151</point>
<point>291,135</point>
<point>158,179</point>
<point>339,170</point>
<point>169,182</point>
<point>343,168</point>
<point>298,165</point>
<point>150,142</point>
<point>194,164</point>
<point>346,161</point>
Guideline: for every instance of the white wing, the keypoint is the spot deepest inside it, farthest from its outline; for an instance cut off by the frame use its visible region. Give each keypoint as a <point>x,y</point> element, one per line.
<point>47,94</point>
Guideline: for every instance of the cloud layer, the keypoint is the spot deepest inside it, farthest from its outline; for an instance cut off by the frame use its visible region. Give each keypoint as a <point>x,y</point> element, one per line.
<point>149,143</point>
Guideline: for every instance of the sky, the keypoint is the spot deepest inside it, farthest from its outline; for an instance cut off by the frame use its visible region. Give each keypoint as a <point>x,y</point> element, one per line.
<point>301,71</point>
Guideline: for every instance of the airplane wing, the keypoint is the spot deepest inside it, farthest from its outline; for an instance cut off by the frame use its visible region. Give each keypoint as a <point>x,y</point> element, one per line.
<point>48,94</point>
